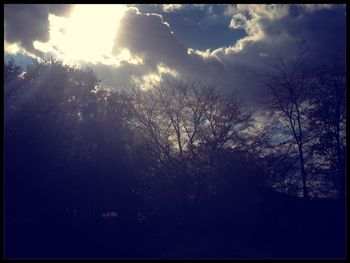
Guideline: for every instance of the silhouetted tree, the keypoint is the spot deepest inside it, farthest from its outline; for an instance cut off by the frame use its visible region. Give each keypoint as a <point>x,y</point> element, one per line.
<point>190,125</point>
<point>70,137</point>
<point>327,117</point>
<point>289,89</point>
<point>307,103</point>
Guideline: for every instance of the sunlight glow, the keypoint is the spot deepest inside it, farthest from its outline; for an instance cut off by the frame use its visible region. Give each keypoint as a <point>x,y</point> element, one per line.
<point>87,35</point>
<point>163,69</point>
<point>124,54</point>
<point>148,81</point>
<point>11,48</point>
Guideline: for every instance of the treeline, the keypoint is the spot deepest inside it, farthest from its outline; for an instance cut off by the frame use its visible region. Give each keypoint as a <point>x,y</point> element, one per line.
<point>177,151</point>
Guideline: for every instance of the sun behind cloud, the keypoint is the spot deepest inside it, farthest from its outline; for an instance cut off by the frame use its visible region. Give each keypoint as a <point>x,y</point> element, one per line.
<point>86,35</point>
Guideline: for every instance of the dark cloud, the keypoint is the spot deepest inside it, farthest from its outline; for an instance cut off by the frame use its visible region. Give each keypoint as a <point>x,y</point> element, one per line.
<point>123,74</point>
<point>194,23</point>
<point>150,37</point>
<point>322,31</point>
<point>25,23</point>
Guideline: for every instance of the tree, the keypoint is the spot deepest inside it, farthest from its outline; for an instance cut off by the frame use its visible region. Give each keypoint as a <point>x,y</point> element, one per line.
<point>190,124</point>
<point>70,137</point>
<point>12,81</point>
<point>288,85</point>
<point>327,117</point>
<point>308,104</point>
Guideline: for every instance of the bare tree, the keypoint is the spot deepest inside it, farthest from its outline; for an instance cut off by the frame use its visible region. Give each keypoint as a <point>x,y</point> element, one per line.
<point>327,117</point>
<point>181,117</point>
<point>189,122</point>
<point>288,88</point>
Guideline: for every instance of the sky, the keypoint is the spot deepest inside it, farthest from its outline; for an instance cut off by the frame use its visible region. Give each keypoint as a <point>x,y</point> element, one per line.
<point>140,44</point>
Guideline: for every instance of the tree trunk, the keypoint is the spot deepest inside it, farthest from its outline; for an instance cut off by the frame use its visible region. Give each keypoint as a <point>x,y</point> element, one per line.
<point>303,172</point>
<point>340,161</point>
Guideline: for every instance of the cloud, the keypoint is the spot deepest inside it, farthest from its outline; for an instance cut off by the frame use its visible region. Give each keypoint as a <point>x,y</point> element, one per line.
<point>124,73</point>
<point>171,7</point>
<point>253,18</point>
<point>278,30</point>
<point>274,24</point>
<point>148,36</point>
<point>270,30</point>
<point>25,23</point>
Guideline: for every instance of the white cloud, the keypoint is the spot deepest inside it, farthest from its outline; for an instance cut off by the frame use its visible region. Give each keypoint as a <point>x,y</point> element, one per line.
<point>124,55</point>
<point>205,54</point>
<point>11,48</point>
<point>252,18</point>
<point>148,80</point>
<point>163,70</point>
<point>171,7</point>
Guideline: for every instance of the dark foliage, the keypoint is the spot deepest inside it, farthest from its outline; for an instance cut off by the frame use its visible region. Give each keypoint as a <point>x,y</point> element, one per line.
<point>174,171</point>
